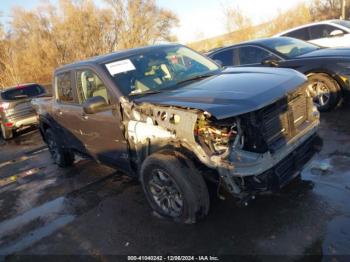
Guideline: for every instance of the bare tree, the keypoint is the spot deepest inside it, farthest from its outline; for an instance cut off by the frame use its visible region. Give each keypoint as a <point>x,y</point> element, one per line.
<point>8,68</point>
<point>49,36</point>
<point>296,16</point>
<point>328,9</point>
<point>236,20</point>
<point>2,51</point>
<point>140,22</point>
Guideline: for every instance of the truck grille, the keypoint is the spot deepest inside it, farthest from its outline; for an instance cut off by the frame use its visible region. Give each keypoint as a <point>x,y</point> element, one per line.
<point>284,119</point>
<point>281,174</point>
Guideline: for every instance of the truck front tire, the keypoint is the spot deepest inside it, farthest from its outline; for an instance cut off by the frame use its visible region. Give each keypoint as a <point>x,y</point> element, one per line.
<point>61,156</point>
<point>174,188</point>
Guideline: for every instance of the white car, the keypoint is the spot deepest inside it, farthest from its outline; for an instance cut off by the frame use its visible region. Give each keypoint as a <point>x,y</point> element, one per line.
<point>330,33</point>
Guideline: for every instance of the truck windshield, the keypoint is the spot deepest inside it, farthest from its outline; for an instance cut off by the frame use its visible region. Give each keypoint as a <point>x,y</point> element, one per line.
<point>158,69</point>
<point>21,92</point>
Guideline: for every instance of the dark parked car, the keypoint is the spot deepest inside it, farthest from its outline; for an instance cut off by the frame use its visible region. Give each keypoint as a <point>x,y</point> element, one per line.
<point>174,119</point>
<point>328,69</point>
<point>16,111</point>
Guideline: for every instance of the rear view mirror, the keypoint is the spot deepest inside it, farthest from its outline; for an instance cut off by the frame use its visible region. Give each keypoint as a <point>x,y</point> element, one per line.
<point>96,104</point>
<point>336,33</point>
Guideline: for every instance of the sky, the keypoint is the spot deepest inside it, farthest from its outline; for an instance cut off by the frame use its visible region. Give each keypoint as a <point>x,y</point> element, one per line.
<point>198,18</point>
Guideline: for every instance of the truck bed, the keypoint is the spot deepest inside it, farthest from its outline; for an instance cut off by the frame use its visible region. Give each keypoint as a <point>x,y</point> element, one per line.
<point>42,105</point>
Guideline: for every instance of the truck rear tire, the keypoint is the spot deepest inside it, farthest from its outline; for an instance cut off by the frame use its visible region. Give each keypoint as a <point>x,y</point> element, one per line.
<point>61,156</point>
<point>174,188</point>
<point>6,134</point>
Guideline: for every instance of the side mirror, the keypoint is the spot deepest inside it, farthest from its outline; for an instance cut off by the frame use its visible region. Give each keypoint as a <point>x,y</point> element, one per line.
<point>336,33</point>
<point>96,104</point>
<point>270,61</point>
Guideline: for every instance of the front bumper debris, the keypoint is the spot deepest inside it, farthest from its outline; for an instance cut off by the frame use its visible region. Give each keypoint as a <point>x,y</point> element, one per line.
<point>285,171</point>
<point>269,173</point>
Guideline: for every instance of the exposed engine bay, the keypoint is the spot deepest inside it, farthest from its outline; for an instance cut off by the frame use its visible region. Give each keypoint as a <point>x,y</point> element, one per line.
<point>216,136</point>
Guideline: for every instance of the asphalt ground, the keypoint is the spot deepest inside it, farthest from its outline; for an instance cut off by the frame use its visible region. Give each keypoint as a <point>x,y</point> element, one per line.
<point>90,211</point>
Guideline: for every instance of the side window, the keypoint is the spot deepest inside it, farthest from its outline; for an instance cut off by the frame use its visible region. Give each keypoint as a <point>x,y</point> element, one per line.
<point>225,56</point>
<point>302,34</point>
<point>251,55</point>
<point>90,85</point>
<point>64,88</point>
<point>322,31</point>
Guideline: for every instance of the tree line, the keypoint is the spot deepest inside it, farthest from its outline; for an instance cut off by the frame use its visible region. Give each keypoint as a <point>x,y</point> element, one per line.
<point>240,27</point>
<point>35,42</point>
<point>38,41</point>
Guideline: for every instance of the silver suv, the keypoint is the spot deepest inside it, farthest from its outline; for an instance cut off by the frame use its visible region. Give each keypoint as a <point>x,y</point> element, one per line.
<point>16,112</point>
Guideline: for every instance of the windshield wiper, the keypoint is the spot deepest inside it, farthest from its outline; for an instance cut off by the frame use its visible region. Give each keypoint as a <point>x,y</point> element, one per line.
<point>145,93</point>
<point>198,77</point>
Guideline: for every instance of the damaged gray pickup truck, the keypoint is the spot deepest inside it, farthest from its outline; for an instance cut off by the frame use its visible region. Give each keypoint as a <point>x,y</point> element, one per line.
<point>177,121</point>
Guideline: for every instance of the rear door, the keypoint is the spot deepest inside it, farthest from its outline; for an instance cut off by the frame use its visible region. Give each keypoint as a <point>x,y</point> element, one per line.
<point>252,56</point>
<point>66,111</point>
<point>243,56</point>
<point>302,34</point>
<point>225,57</point>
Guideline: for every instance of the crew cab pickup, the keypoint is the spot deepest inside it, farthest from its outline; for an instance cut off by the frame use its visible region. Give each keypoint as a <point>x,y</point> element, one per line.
<point>176,120</point>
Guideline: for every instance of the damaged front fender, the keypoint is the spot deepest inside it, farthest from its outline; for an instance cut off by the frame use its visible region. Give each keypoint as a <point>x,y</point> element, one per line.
<point>232,147</point>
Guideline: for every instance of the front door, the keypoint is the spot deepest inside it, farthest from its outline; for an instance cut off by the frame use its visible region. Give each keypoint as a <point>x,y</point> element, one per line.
<point>101,132</point>
<point>322,35</point>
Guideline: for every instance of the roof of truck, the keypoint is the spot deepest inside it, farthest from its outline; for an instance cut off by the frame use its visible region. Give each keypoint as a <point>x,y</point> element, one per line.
<point>114,56</point>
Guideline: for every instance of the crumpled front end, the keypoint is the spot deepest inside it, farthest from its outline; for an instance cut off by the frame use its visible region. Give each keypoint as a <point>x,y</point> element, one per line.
<point>255,152</point>
<point>266,148</point>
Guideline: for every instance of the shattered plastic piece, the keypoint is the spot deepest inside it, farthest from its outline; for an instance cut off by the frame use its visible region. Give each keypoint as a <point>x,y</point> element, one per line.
<point>321,168</point>
<point>325,166</point>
